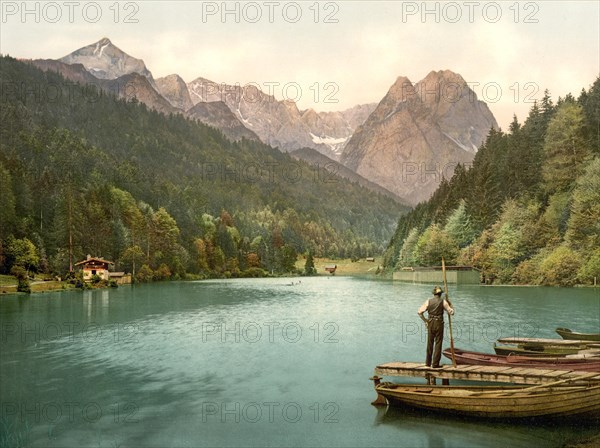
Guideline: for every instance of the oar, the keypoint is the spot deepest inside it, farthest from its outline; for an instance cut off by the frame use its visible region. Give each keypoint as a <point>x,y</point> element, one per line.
<point>449,316</point>
<point>541,386</point>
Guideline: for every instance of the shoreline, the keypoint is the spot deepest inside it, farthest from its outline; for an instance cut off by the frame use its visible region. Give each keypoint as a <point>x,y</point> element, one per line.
<point>49,287</point>
<point>345,268</point>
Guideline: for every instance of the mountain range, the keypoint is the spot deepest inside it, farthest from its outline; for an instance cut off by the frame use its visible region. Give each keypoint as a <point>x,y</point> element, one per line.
<point>404,144</point>
<point>278,123</point>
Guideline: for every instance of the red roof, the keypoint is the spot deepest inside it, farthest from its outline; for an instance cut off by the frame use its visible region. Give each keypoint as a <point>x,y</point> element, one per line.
<point>94,260</point>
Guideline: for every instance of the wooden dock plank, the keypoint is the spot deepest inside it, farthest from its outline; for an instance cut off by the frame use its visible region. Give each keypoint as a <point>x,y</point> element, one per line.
<point>464,367</point>
<point>471,367</point>
<point>556,373</point>
<point>494,369</point>
<point>517,371</point>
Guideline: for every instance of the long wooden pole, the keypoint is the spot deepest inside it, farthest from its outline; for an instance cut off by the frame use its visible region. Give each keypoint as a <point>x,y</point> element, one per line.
<point>449,316</point>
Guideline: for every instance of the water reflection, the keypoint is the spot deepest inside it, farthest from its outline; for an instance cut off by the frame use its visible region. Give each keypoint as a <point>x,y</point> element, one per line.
<point>441,430</point>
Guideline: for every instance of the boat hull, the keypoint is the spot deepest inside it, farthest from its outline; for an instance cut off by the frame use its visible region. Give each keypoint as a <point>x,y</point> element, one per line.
<point>567,334</point>
<point>496,402</point>
<point>463,357</point>
<point>533,350</point>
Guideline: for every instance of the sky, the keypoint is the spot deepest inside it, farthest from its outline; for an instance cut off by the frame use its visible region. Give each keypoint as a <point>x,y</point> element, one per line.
<point>332,55</point>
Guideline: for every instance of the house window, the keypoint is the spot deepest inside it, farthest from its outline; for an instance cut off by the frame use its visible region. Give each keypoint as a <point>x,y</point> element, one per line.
<point>93,272</point>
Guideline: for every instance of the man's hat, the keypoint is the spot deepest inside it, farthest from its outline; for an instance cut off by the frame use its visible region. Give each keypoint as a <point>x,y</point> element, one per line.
<point>437,291</point>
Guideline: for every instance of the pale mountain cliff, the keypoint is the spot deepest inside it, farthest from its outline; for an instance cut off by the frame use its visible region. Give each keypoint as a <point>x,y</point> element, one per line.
<point>419,133</point>
<point>135,85</point>
<point>218,115</point>
<point>175,90</point>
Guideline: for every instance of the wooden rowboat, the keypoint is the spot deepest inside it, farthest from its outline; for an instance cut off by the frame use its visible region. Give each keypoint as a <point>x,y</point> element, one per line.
<point>565,333</point>
<point>497,402</point>
<point>586,364</point>
<point>534,350</point>
<point>549,342</point>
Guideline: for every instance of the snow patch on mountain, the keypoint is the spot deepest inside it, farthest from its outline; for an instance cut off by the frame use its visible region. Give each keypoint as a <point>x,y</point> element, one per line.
<point>336,145</point>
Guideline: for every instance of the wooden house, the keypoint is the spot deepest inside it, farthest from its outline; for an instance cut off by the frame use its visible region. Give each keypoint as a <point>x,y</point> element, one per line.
<point>95,266</point>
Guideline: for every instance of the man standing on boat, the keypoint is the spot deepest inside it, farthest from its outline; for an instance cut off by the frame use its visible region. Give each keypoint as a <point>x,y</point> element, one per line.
<point>435,307</point>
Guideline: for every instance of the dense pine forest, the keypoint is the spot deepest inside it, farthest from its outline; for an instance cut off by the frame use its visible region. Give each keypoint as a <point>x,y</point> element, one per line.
<point>527,211</point>
<point>82,172</point>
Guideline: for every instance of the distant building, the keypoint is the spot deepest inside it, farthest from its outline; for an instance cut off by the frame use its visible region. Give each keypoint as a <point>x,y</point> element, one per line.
<point>371,259</point>
<point>459,275</point>
<point>95,266</point>
<point>331,268</point>
<point>121,278</point>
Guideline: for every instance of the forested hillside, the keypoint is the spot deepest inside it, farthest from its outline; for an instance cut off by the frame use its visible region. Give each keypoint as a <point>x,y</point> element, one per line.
<point>82,172</point>
<point>527,211</point>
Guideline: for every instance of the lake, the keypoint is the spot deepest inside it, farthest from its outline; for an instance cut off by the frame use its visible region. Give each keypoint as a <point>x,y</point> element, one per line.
<point>253,362</point>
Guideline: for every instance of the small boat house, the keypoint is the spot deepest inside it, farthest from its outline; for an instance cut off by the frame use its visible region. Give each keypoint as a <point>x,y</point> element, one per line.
<point>458,275</point>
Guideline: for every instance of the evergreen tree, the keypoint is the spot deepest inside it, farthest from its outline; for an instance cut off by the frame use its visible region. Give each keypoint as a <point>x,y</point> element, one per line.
<point>309,266</point>
<point>583,231</point>
<point>485,198</point>
<point>8,215</point>
<point>590,102</point>
<point>407,253</point>
<point>288,259</point>
<point>459,226</point>
<point>565,149</point>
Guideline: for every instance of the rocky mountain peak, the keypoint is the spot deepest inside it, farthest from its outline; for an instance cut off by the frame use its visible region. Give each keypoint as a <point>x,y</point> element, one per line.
<point>443,75</point>
<point>401,89</point>
<point>174,78</point>
<point>104,41</point>
<point>418,134</point>
<point>105,60</point>
<point>442,86</point>
<point>175,90</point>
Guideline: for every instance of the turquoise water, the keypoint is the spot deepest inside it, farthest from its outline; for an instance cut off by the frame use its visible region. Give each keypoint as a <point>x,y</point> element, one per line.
<point>256,362</point>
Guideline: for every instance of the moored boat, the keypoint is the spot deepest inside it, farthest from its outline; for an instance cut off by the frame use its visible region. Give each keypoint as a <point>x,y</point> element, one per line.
<point>497,401</point>
<point>586,363</point>
<point>567,334</point>
<point>547,342</point>
<point>538,350</point>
